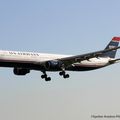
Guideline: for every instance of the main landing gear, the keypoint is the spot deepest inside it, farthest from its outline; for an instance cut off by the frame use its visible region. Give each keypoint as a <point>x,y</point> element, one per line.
<point>62,73</point>
<point>44,76</point>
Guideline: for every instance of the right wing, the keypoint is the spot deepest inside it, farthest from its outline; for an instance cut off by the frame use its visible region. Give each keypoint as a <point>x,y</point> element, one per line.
<point>78,58</point>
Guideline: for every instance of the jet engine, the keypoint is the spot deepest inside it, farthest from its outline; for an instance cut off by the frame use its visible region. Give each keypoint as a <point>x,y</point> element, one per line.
<point>53,65</point>
<point>20,71</point>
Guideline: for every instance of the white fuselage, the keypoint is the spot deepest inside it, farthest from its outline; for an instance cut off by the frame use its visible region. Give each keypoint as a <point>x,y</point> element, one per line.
<point>40,57</point>
<point>29,56</point>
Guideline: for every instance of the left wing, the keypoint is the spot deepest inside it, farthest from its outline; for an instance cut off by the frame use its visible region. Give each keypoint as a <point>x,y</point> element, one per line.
<point>78,58</point>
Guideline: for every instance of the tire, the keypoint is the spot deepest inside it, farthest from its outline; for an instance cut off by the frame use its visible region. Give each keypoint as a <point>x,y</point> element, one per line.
<point>43,76</point>
<point>48,79</point>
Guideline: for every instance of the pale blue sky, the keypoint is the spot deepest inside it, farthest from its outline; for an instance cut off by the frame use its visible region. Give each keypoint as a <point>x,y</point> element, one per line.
<point>65,27</point>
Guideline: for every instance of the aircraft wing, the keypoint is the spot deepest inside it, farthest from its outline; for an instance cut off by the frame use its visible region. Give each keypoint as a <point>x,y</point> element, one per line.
<point>78,58</point>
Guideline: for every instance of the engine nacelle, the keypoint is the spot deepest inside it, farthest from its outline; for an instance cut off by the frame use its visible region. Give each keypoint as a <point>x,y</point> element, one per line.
<point>20,71</point>
<point>53,65</point>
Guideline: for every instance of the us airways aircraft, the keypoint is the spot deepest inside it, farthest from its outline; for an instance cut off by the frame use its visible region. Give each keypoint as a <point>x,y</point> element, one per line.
<point>23,62</point>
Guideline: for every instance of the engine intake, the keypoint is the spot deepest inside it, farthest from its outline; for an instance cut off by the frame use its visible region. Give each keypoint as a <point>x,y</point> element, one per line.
<point>53,65</point>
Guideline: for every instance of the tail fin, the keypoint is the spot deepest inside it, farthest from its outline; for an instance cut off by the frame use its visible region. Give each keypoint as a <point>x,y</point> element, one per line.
<point>113,43</point>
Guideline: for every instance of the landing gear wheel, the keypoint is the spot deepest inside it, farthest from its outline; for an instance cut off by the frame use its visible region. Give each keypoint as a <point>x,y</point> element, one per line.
<point>66,76</point>
<point>48,79</point>
<point>43,76</point>
<point>61,73</point>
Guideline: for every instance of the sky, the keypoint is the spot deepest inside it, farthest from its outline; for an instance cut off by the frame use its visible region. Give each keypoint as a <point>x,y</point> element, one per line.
<point>60,27</point>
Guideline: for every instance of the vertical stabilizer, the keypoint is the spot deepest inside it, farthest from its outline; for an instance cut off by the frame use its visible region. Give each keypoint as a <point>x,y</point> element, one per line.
<point>113,43</point>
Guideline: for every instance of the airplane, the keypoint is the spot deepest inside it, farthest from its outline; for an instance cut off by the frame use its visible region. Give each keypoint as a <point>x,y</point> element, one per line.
<point>23,62</point>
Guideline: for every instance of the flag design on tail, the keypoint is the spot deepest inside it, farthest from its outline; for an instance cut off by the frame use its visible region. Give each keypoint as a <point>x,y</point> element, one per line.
<point>113,43</point>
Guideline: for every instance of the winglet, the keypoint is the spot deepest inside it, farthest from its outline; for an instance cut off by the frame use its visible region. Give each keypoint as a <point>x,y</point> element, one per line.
<point>116,39</point>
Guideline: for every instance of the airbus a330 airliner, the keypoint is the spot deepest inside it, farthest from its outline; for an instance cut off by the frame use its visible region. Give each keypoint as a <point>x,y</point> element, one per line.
<point>23,62</point>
